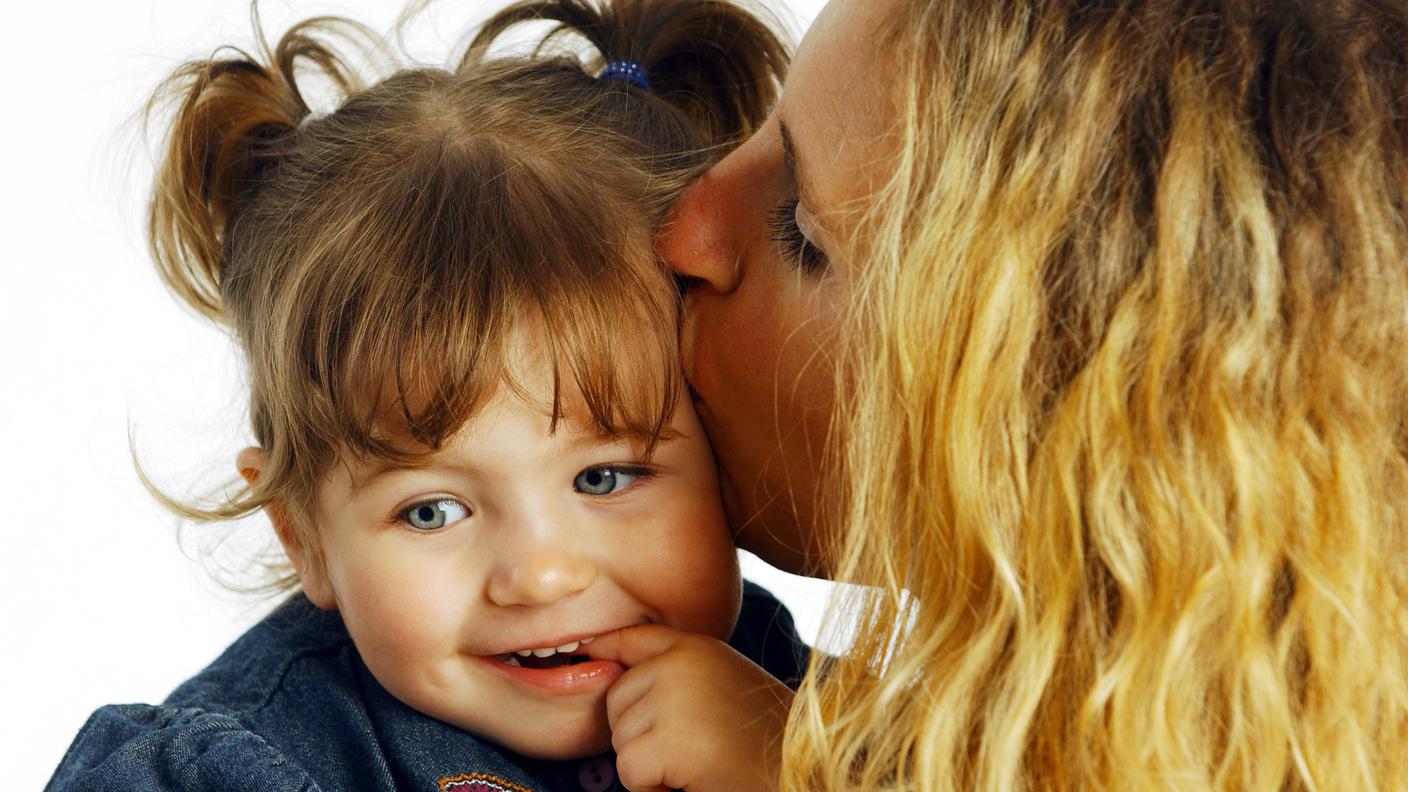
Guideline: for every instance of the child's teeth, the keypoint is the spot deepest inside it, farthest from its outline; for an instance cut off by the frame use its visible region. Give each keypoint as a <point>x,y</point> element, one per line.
<point>510,660</point>
<point>549,651</point>
<point>588,640</point>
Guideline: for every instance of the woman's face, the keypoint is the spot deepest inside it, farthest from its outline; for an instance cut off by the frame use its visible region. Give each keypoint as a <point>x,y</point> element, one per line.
<point>759,240</point>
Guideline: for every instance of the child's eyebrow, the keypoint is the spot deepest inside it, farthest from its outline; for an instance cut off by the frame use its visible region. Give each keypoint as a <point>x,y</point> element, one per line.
<point>577,441</point>
<point>363,479</point>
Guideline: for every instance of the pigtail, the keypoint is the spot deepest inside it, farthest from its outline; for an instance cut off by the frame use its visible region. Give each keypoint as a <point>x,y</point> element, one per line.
<point>710,60</point>
<point>717,63</point>
<point>233,118</point>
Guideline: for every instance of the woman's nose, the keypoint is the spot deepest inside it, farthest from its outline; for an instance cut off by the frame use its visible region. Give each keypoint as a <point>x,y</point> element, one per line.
<point>539,570</point>
<point>696,242</point>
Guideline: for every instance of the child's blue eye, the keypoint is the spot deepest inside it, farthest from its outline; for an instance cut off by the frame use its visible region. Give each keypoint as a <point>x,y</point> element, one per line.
<point>435,514</point>
<point>605,480</point>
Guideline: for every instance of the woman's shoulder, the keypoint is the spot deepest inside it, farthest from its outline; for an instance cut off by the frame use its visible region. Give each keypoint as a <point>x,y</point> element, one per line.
<point>766,634</point>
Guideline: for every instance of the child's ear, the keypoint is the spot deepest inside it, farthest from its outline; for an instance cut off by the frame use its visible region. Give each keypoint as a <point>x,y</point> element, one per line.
<point>251,462</point>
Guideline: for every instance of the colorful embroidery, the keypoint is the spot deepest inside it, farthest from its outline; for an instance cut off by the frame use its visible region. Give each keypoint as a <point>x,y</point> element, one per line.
<point>478,782</point>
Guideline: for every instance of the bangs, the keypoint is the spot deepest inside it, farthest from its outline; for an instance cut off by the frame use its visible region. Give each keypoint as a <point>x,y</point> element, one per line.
<point>408,323</point>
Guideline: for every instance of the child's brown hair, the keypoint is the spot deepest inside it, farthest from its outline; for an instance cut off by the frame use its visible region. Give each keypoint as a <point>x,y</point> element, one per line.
<point>375,263</point>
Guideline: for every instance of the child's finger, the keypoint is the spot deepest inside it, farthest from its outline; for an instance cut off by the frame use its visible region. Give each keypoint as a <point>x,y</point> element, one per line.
<point>626,694</point>
<point>630,723</point>
<point>631,646</point>
<point>640,765</point>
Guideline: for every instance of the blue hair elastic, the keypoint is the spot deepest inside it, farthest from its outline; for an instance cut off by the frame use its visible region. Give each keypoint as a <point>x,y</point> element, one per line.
<point>626,71</point>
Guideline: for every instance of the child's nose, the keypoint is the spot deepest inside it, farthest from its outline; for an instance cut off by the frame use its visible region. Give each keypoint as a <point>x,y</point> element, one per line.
<point>540,573</point>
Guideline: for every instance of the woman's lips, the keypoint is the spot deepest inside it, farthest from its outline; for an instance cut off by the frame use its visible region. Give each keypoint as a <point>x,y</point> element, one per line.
<point>584,677</point>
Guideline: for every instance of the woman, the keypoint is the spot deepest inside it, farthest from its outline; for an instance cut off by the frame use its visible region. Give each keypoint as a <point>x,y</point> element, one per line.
<point>1077,331</point>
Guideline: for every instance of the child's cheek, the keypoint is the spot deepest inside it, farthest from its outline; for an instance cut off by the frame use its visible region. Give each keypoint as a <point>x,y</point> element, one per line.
<point>395,602</point>
<point>696,568</point>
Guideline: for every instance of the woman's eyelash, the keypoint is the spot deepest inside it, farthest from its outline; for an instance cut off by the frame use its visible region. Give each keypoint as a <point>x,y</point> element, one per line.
<point>782,222</point>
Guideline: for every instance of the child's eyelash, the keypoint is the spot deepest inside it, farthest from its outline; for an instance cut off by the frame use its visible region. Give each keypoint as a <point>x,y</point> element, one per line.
<point>590,479</point>
<point>782,222</point>
<point>440,512</point>
<point>638,471</point>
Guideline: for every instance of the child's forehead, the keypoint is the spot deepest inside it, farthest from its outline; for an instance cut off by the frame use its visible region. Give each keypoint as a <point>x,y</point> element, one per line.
<point>527,381</point>
<point>521,371</point>
<point>526,391</point>
<point>522,411</point>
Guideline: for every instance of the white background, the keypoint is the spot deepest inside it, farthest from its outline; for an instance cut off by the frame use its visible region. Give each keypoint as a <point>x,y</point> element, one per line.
<point>99,602</point>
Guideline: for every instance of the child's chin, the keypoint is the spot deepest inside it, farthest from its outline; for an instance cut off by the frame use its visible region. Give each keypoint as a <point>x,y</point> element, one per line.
<point>561,741</point>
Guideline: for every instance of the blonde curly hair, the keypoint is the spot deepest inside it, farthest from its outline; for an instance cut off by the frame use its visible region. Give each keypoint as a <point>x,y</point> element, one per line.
<point>1127,378</point>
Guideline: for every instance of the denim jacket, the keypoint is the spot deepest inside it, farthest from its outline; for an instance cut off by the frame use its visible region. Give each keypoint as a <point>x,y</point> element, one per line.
<point>289,706</point>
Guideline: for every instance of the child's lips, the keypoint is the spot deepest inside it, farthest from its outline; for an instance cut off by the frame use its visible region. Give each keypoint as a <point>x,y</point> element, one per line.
<point>561,668</point>
<point>569,677</point>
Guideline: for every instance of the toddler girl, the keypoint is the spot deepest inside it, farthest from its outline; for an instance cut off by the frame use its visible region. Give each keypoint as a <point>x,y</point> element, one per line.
<point>472,438</point>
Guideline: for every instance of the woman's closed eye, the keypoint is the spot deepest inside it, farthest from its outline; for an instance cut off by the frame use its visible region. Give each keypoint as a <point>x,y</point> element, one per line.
<point>608,479</point>
<point>792,242</point>
<point>434,514</point>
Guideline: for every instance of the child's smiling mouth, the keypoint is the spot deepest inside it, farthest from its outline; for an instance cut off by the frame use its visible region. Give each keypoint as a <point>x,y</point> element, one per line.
<point>565,668</point>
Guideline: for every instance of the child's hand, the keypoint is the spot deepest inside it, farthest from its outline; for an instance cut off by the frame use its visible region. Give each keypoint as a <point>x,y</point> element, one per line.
<point>691,713</point>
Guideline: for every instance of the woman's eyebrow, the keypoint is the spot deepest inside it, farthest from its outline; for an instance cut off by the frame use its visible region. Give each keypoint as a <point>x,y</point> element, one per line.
<point>794,169</point>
